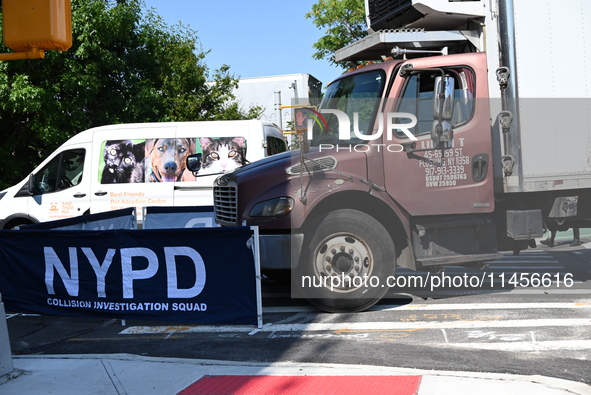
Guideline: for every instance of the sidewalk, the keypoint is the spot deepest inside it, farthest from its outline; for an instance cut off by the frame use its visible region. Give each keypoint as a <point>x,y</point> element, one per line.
<point>132,374</point>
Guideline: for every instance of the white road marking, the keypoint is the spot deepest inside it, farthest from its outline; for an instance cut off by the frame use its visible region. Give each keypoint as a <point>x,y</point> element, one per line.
<point>539,261</point>
<point>364,326</point>
<point>529,267</point>
<point>551,345</point>
<point>484,332</point>
<point>532,335</point>
<point>447,306</point>
<point>553,291</point>
<point>516,291</point>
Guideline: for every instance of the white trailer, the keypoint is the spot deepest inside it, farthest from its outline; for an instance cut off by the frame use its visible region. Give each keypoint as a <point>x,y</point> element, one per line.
<point>541,50</point>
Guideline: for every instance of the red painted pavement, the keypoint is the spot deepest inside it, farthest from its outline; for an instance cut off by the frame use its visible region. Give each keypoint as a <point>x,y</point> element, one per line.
<point>297,385</point>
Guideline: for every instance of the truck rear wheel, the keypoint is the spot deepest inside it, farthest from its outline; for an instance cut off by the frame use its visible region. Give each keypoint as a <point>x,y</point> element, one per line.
<point>347,262</point>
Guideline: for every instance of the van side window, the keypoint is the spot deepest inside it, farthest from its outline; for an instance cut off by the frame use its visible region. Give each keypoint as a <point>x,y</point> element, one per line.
<point>62,172</point>
<point>275,145</point>
<point>417,98</point>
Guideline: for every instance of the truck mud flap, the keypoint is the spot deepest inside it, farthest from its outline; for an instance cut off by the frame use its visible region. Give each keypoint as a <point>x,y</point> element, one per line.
<point>280,251</point>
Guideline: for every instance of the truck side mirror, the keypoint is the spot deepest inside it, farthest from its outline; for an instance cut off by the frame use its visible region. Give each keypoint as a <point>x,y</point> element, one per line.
<point>443,106</point>
<point>243,153</point>
<point>194,162</point>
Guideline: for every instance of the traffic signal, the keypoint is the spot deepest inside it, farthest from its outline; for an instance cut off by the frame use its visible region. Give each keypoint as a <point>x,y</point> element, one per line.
<point>37,24</point>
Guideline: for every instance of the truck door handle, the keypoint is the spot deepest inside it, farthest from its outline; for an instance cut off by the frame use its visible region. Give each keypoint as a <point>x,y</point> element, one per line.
<point>79,195</point>
<point>479,167</point>
<point>100,193</point>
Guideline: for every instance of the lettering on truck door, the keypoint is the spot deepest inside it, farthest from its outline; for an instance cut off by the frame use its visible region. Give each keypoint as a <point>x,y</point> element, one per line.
<point>457,179</point>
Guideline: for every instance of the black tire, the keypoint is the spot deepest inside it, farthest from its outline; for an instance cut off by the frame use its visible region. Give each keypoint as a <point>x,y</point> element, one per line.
<point>346,262</point>
<point>16,223</point>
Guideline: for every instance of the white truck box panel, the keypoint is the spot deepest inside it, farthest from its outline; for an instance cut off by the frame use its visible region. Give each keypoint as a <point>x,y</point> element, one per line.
<point>554,79</point>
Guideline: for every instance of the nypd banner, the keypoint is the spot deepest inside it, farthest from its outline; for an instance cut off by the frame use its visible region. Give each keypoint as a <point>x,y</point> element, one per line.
<point>204,276</point>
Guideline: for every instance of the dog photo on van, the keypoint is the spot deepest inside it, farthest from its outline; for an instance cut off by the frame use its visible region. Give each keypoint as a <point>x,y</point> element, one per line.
<point>165,160</point>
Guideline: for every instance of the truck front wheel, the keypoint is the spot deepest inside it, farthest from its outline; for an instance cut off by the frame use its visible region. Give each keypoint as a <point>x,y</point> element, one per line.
<point>346,263</point>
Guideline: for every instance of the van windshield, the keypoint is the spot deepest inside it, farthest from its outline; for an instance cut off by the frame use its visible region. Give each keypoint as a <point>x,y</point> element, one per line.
<point>358,97</point>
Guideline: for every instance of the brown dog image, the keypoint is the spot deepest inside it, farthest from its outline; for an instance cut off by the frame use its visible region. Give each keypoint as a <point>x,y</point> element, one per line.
<point>165,160</point>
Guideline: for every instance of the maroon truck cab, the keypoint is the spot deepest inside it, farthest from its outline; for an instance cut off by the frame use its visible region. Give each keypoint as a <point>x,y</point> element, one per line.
<point>360,202</point>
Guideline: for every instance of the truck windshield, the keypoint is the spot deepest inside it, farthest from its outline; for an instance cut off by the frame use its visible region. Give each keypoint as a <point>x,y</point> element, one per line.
<point>358,97</point>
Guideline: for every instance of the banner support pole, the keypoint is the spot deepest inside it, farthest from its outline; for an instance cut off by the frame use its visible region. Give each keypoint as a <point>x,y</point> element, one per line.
<point>5,353</point>
<point>257,267</point>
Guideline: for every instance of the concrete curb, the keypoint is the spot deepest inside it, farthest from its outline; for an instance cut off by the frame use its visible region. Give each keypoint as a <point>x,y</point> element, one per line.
<point>295,368</point>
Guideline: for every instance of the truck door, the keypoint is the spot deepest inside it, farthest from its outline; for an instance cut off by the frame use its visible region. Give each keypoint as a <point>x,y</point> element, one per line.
<point>456,179</point>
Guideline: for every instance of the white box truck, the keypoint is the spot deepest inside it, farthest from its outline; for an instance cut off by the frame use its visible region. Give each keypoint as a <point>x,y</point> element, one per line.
<point>470,131</point>
<point>270,92</point>
<point>135,165</point>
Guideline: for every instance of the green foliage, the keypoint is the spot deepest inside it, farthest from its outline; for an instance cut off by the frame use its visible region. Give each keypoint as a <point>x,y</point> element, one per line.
<point>125,65</point>
<point>344,23</point>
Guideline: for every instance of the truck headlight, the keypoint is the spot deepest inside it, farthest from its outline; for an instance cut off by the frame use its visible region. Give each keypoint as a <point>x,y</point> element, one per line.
<point>273,207</point>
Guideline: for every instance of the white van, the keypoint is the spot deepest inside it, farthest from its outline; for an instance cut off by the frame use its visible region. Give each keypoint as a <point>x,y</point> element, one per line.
<point>136,165</point>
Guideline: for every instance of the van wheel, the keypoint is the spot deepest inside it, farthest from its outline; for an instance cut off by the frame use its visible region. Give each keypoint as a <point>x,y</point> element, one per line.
<point>16,223</point>
<point>346,264</point>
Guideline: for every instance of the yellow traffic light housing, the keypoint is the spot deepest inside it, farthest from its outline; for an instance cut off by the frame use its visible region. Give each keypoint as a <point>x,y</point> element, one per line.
<point>32,26</point>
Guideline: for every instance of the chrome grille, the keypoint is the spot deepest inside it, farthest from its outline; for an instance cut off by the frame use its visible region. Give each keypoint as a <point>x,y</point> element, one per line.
<point>225,203</point>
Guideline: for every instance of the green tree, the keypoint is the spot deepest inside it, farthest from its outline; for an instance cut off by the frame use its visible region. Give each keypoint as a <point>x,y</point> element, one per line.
<point>125,65</point>
<point>344,23</point>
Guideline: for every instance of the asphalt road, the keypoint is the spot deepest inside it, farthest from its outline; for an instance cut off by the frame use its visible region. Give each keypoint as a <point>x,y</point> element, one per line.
<point>538,324</point>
